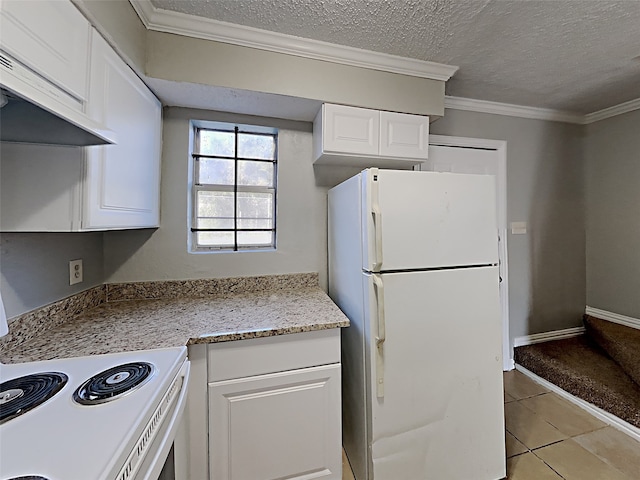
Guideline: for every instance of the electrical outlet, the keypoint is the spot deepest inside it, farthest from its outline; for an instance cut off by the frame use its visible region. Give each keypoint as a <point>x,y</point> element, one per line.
<point>75,271</point>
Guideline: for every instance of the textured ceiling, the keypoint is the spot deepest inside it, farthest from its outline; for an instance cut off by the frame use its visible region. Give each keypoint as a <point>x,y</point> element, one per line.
<point>573,55</point>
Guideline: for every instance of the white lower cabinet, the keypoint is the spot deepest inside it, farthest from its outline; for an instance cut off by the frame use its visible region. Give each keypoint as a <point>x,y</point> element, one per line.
<point>263,409</point>
<point>276,426</point>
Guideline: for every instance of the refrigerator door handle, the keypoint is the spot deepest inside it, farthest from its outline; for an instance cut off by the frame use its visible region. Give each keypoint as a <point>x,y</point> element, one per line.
<point>374,185</point>
<point>377,226</point>
<point>381,337</point>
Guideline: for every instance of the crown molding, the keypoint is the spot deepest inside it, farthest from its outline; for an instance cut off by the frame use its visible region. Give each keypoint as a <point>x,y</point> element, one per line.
<point>166,21</point>
<point>625,107</point>
<point>496,108</point>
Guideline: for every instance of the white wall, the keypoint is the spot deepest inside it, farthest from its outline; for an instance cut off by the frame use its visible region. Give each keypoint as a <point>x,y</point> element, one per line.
<point>612,155</point>
<point>301,214</point>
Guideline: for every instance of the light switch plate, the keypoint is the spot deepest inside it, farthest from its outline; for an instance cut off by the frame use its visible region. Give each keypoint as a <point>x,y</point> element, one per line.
<point>518,228</point>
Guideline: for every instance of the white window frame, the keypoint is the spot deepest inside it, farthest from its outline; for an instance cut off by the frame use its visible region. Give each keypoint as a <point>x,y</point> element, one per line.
<point>194,187</point>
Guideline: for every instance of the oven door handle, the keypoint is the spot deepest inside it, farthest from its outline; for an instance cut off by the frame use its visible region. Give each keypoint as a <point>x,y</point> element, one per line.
<point>152,472</point>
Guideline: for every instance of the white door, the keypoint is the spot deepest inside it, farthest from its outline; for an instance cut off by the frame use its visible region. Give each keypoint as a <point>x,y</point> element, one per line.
<point>440,365</point>
<point>351,130</point>
<point>278,426</point>
<point>472,155</point>
<point>416,220</point>
<point>403,135</point>
<point>123,180</point>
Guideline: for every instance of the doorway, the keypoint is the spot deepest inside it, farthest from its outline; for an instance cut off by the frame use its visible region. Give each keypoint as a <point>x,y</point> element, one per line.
<point>488,157</point>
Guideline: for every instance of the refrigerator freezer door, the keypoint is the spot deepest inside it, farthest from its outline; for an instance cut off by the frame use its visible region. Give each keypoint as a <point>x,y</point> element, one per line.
<point>442,372</point>
<point>418,220</point>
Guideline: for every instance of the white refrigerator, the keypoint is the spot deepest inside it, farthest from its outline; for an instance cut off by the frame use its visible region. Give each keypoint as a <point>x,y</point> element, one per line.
<point>413,263</point>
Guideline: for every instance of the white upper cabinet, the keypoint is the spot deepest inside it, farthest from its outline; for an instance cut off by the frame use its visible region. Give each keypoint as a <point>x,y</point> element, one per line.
<point>51,38</point>
<point>60,189</point>
<point>403,135</point>
<point>350,130</point>
<point>362,137</point>
<point>123,180</point>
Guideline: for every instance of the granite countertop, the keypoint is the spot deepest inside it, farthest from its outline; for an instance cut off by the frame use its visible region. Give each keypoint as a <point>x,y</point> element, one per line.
<point>146,323</point>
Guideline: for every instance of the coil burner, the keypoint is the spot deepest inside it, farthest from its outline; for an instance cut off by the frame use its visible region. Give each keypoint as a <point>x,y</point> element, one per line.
<point>29,477</point>
<point>19,395</point>
<point>114,383</point>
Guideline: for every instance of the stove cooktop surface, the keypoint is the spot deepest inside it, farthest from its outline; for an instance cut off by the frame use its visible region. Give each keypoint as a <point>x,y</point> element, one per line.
<point>63,439</point>
<point>29,477</point>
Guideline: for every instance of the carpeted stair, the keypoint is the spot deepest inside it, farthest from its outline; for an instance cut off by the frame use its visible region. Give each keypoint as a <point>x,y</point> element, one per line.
<point>602,366</point>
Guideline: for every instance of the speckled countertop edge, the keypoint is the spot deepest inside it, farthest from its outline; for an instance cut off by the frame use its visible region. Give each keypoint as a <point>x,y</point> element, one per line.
<point>202,288</point>
<point>281,305</point>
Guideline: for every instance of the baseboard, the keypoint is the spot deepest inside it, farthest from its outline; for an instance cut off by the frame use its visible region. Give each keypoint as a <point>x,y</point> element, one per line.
<point>509,365</point>
<point>597,412</point>
<point>613,317</point>
<point>547,336</point>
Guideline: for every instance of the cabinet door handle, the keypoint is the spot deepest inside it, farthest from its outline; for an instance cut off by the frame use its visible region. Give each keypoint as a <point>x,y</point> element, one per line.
<point>381,336</point>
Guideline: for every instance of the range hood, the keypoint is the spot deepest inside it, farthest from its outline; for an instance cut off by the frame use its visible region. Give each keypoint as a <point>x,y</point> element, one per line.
<point>35,111</point>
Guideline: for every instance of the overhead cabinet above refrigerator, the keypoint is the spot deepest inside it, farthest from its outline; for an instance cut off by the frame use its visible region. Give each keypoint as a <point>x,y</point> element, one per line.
<point>361,137</point>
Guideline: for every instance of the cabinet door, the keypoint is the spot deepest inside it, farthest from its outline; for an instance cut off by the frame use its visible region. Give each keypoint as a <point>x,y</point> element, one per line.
<point>51,38</point>
<point>279,426</point>
<point>403,135</point>
<point>350,130</point>
<point>123,180</point>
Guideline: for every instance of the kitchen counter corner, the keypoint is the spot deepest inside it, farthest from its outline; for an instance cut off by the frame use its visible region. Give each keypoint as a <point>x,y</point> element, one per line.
<point>142,324</point>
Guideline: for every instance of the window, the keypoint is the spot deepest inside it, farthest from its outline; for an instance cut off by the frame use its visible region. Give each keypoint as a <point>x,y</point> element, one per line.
<point>234,187</point>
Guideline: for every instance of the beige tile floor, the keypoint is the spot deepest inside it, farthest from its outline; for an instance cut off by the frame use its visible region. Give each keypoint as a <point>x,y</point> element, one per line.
<point>548,438</point>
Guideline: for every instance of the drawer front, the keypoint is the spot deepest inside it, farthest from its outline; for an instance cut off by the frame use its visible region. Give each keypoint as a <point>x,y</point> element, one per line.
<point>257,356</point>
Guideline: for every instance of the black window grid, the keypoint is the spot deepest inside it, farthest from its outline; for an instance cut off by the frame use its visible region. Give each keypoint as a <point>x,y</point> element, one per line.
<point>235,188</point>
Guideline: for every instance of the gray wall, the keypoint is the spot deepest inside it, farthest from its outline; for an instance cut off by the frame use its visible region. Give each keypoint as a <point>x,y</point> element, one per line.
<point>545,189</point>
<point>547,266</point>
<point>301,214</point>
<point>119,24</point>
<point>188,60</point>
<point>34,267</point>
<point>612,155</point>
